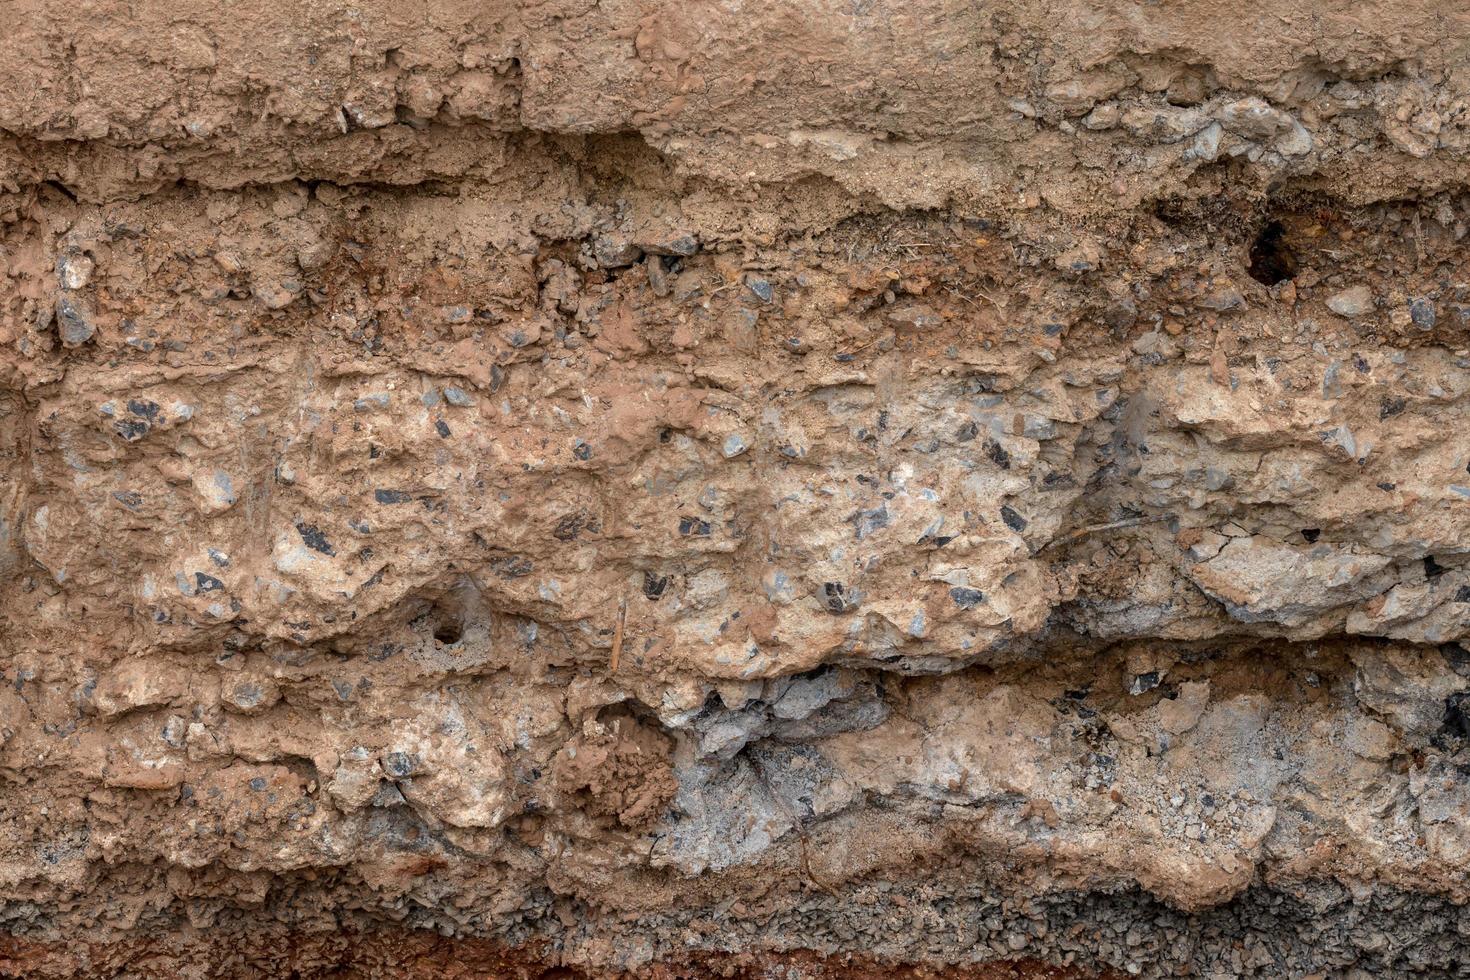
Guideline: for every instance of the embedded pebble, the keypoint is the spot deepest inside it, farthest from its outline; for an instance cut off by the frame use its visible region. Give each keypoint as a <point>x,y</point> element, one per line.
<point>1353,302</point>
<point>458,397</point>
<point>74,321</point>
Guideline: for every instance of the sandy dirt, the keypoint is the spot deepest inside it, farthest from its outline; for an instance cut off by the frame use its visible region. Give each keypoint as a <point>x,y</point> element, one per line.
<point>734,489</point>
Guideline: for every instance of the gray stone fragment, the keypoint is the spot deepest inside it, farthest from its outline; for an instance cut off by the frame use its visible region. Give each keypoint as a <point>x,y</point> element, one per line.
<point>1254,119</point>
<point>658,277</point>
<point>74,270</point>
<point>1103,117</point>
<point>1206,145</point>
<point>681,245</point>
<point>1352,302</point>
<point>74,321</point>
<point>1295,142</point>
<point>275,295</point>
<point>1422,312</point>
<point>734,445</point>
<point>760,288</point>
<point>1164,123</point>
<point>612,252</point>
<point>458,397</point>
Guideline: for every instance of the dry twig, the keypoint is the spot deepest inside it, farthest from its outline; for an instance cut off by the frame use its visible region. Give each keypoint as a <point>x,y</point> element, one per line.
<point>617,647</point>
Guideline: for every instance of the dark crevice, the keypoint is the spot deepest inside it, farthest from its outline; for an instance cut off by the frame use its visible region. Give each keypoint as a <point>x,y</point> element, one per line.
<point>1272,260</point>
<point>449,624</point>
<point>61,188</point>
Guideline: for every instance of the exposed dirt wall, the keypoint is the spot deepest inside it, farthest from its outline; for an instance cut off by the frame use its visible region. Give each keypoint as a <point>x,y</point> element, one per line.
<point>735,488</point>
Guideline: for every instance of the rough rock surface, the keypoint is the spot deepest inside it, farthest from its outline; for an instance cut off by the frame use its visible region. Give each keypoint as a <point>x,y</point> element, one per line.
<point>694,489</point>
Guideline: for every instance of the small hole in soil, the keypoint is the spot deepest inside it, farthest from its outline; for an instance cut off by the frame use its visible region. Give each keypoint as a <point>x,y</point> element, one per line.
<point>448,633</point>
<point>1272,260</point>
<point>1311,534</point>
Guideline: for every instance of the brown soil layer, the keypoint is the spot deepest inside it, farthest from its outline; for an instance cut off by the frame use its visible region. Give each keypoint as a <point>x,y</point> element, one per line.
<point>405,955</point>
